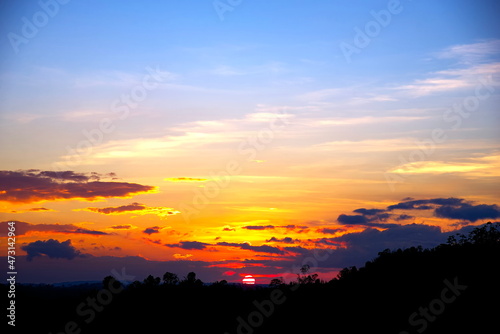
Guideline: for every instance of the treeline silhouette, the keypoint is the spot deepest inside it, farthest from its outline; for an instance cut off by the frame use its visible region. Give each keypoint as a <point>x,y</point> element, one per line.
<point>451,288</point>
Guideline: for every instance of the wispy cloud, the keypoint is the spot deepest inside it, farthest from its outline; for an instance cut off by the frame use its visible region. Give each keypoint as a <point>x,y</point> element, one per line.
<point>473,167</point>
<point>471,53</point>
<point>185,179</point>
<point>136,209</point>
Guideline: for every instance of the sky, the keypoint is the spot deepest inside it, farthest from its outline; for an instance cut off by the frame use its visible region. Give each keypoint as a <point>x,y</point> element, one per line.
<point>243,137</point>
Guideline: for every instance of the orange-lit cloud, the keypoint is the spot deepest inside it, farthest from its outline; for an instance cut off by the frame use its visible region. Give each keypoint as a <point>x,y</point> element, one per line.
<point>23,228</point>
<point>121,227</point>
<point>135,208</point>
<point>33,210</point>
<point>27,186</point>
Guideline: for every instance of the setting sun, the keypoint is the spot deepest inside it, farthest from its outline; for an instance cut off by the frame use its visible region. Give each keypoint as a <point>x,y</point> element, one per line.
<point>248,279</point>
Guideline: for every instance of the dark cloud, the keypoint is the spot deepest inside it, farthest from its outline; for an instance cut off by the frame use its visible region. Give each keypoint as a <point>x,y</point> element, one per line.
<point>119,209</point>
<point>23,228</point>
<point>403,217</point>
<point>26,186</point>
<point>121,227</point>
<point>297,250</point>
<point>368,212</point>
<point>151,230</point>
<point>189,245</point>
<point>380,217</point>
<point>461,224</point>
<point>469,212</point>
<point>262,248</point>
<point>329,230</point>
<point>51,248</point>
<point>39,209</point>
<point>423,204</point>
<point>449,208</point>
<point>286,240</point>
<point>364,221</point>
<point>229,229</point>
<point>85,231</point>
<point>259,227</point>
<point>294,227</point>
<point>395,237</point>
<point>352,219</point>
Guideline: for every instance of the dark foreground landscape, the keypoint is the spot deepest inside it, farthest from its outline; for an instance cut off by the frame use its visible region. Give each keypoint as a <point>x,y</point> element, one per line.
<point>452,288</point>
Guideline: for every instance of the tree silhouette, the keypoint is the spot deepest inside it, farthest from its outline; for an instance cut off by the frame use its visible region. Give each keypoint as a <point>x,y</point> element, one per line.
<point>152,281</point>
<point>191,280</point>
<point>108,280</point>
<point>307,279</point>
<point>220,283</point>
<point>277,282</point>
<point>170,278</point>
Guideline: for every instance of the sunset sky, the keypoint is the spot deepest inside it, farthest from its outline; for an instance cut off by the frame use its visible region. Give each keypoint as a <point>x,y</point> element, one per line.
<point>243,139</point>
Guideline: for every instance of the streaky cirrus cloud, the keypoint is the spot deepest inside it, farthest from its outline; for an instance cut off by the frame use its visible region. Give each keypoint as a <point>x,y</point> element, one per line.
<point>135,208</point>
<point>258,227</point>
<point>28,186</point>
<point>23,228</point>
<point>185,179</point>
<point>41,209</point>
<point>121,227</point>
<point>118,209</point>
<point>51,248</point>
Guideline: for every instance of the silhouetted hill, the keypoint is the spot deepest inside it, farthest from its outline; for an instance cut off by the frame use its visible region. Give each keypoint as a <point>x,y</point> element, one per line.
<point>452,288</point>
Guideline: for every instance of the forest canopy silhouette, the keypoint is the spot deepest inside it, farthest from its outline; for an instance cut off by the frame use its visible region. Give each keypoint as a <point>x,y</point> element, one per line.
<point>449,288</point>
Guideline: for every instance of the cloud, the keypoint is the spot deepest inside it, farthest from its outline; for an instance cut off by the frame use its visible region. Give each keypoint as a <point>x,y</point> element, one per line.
<point>23,228</point>
<point>450,208</point>
<point>262,248</point>
<point>453,79</point>
<point>121,227</point>
<point>423,204</point>
<point>136,208</point>
<point>258,227</point>
<point>31,210</point>
<point>471,53</point>
<point>368,212</point>
<point>469,212</point>
<point>487,165</point>
<point>51,248</point>
<point>151,230</point>
<point>329,230</point>
<point>27,186</point>
<point>118,209</point>
<point>40,209</point>
<point>403,217</point>
<point>364,221</point>
<point>396,237</point>
<point>189,245</point>
<point>286,240</point>
<point>352,220</point>
<point>185,179</point>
